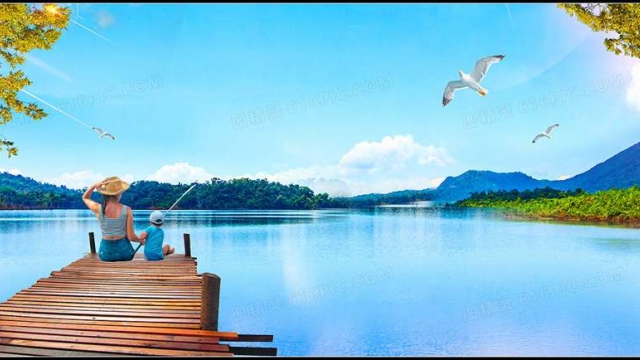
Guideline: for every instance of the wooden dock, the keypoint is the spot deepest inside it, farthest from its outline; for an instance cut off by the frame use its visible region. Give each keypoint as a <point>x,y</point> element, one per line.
<point>138,307</point>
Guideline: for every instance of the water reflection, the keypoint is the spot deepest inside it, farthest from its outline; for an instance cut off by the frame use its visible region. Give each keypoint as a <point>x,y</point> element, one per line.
<point>386,281</point>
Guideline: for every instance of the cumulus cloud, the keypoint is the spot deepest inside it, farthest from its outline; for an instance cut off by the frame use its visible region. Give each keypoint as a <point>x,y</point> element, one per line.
<point>105,19</point>
<point>11,171</point>
<point>180,172</point>
<point>564,177</point>
<point>395,163</point>
<point>392,153</point>
<point>82,179</point>
<point>633,91</point>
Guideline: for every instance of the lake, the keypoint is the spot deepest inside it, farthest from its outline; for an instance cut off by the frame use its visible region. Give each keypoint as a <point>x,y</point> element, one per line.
<point>392,281</point>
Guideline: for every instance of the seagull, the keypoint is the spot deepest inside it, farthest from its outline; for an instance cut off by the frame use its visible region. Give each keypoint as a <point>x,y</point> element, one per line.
<point>471,80</point>
<point>103,133</point>
<point>546,133</point>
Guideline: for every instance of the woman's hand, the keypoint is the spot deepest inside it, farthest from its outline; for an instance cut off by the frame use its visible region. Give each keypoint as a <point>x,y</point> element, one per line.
<point>86,197</point>
<point>100,184</point>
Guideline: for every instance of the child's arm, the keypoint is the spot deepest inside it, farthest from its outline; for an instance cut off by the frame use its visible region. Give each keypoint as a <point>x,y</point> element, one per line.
<point>143,237</point>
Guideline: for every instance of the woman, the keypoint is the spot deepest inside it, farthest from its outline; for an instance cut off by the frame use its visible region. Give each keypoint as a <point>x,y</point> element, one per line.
<point>116,220</point>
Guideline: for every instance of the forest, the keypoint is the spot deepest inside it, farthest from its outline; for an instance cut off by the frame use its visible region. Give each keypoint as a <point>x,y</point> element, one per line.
<point>614,205</point>
<point>22,193</point>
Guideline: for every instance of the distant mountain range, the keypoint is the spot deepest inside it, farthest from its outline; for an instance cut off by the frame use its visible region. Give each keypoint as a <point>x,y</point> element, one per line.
<point>619,172</point>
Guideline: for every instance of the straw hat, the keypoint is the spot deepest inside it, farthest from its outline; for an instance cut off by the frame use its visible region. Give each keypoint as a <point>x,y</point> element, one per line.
<point>115,186</point>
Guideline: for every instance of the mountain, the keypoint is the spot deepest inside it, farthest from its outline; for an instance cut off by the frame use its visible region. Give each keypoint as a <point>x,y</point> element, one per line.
<point>21,184</point>
<point>396,197</point>
<point>460,187</point>
<point>619,172</point>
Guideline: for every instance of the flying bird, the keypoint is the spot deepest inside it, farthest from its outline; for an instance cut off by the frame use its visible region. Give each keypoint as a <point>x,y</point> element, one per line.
<point>103,133</point>
<point>471,80</point>
<point>546,133</point>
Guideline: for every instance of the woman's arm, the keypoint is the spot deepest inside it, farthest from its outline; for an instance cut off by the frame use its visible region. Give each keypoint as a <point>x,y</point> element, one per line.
<point>131,235</point>
<point>92,205</point>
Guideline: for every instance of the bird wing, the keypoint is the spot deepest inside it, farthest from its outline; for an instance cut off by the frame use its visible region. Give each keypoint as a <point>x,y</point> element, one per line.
<point>537,137</point>
<point>98,130</point>
<point>452,86</point>
<point>550,128</point>
<point>111,136</point>
<point>482,66</point>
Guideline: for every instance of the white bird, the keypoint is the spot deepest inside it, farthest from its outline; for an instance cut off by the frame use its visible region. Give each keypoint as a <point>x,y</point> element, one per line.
<point>471,80</point>
<point>103,133</point>
<point>546,133</point>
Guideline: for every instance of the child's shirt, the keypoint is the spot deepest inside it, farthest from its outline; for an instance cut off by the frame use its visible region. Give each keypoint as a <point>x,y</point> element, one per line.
<point>153,244</point>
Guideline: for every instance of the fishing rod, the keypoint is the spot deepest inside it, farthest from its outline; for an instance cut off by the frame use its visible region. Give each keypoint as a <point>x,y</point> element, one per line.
<point>166,212</point>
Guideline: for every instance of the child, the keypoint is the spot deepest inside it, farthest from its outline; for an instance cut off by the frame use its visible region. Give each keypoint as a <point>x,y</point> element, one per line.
<point>154,236</point>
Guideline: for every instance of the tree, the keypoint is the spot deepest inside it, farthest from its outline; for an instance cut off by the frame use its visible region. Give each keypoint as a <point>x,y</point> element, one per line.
<point>22,29</point>
<point>623,19</point>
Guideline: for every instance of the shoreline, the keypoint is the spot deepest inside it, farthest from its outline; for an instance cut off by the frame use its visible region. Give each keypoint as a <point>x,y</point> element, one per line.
<point>513,214</point>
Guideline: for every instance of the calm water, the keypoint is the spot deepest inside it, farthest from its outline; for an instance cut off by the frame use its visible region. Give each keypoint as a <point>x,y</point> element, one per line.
<point>391,281</point>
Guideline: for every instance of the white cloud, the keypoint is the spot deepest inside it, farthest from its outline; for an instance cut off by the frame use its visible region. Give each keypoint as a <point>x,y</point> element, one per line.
<point>318,178</point>
<point>395,163</point>
<point>82,179</point>
<point>105,19</point>
<point>11,171</point>
<point>180,172</point>
<point>392,153</point>
<point>633,91</point>
<point>565,177</point>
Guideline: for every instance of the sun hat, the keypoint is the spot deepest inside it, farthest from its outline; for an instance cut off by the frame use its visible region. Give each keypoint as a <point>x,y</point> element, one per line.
<point>156,218</point>
<point>114,186</point>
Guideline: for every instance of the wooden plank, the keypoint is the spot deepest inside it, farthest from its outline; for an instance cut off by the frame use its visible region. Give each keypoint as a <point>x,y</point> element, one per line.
<point>133,271</point>
<point>222,335</point>
<point>173,345</point>
<point>254,338</point>
<point>132,286</point>
<point>97,307</point>
<point>112,289</point>
<point>105,282</point>
<point>112,295</point>
<point>141,288</point>
<point>106,318</point>
<point>30,351</point>
<point>117,275</point>
<point>113,334</point>
<point>254,351</point>
<point>109,349</point>
<point>142,314</point>
<point>149,301</point>
<point>38,320</point>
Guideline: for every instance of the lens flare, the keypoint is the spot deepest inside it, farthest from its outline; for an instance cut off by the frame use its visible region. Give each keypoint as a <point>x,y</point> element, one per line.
<point>51,8</point>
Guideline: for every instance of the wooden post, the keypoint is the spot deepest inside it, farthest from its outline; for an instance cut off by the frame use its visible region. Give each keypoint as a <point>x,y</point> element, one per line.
<point>187,245</point>
<point>92,243</point>
<point>210,302</point>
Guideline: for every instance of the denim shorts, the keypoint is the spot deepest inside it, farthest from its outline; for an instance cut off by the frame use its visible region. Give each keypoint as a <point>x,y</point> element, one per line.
<point>116,250</point>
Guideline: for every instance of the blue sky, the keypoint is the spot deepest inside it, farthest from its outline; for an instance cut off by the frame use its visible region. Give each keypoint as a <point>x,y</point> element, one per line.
<point>348,97</point>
